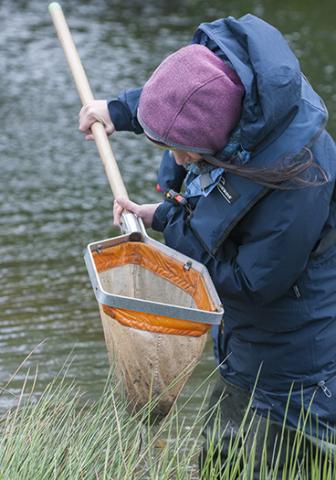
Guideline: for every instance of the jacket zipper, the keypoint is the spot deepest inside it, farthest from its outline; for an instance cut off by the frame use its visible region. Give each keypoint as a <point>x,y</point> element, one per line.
<point>296,290</point>
<point>325,389</point>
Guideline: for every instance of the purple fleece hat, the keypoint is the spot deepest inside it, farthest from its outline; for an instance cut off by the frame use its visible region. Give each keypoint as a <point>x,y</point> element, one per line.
<point>192,101</point>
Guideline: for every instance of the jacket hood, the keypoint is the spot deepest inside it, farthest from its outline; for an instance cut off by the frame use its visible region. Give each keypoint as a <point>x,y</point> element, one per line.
<point>269,71</point>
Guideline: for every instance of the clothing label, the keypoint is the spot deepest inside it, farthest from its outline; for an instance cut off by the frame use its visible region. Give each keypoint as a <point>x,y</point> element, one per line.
<point>227,191</point>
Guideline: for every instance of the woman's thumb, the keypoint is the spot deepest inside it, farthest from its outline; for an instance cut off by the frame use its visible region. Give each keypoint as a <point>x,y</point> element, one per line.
<point>127,204</point>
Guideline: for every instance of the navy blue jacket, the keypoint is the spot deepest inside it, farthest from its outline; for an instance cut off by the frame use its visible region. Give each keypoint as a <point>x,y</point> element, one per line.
<point>271,253</point>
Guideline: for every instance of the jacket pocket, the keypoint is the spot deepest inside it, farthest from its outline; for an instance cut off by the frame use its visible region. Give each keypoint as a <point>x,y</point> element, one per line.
<point>312,407</point>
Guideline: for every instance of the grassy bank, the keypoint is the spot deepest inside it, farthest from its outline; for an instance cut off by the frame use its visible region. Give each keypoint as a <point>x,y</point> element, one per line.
<point>58,436</point>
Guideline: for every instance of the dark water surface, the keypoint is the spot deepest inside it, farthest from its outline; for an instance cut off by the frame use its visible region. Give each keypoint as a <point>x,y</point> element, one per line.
<point>54,197</point>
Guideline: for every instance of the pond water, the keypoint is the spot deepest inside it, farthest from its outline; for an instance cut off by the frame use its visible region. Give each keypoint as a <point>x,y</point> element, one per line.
<point>54,197</point>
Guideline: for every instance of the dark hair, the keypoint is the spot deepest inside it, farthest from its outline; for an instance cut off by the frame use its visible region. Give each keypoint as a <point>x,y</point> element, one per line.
<point>289,172</point>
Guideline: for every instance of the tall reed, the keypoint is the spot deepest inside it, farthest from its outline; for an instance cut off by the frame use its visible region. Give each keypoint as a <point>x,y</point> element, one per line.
<point>59,436</point>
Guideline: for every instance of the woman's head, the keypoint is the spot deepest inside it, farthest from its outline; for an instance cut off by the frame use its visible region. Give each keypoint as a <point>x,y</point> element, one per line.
<point>191,102</point>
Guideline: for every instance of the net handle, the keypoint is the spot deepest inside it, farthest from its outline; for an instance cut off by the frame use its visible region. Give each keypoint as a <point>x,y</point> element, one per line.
<point>98,131</point>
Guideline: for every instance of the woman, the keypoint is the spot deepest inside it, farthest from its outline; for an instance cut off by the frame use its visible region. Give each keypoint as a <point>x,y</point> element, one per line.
<point>246,142</point>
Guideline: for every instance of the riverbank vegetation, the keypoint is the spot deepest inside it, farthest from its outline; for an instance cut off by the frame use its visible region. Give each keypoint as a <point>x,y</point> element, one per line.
<point>60,436</point>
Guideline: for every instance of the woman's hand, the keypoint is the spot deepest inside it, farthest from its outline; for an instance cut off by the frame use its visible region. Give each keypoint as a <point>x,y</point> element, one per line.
<point>92,112</point>
<point>145,211</point>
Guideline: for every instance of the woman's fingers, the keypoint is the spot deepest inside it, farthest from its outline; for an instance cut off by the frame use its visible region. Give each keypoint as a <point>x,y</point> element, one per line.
<point>88,135</point>
<point>145,212</point>
<point>83,120</point>
<point>127,204</point>
<point>121,204</point>
<point>95,111</point>
<point>117,211</point>
<point>109,128</point>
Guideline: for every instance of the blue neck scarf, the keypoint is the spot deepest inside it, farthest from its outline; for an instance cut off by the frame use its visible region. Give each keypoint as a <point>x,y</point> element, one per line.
<point>203,177</point>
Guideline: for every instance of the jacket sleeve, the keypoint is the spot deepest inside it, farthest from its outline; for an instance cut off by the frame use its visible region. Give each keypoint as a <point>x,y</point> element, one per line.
<point>170,175</point>
<point>123,111</point>
<point>266,253</point>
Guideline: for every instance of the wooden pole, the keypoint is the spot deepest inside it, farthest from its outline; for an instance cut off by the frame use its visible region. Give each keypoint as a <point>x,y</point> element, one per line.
<point>86,96</point>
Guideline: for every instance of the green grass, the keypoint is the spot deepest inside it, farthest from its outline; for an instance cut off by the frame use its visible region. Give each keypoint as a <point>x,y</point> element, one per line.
<point>58,436</point>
